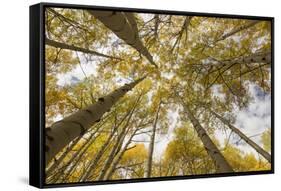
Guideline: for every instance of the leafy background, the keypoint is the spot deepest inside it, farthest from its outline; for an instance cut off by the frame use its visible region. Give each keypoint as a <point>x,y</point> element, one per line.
<point>199,63</point>
<point>17,178</point>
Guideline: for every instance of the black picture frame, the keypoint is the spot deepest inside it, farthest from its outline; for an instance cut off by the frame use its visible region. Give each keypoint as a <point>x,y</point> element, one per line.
<point>37,94</point>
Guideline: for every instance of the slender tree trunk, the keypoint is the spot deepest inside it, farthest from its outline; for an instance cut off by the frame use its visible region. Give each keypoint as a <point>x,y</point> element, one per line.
<point>68,168</point>
<point>183,28</point>
<point>58,161</point>
<point>97,157</point>
<point>260,57</point>
<point>147,173</point>
<point>156,25</point>
<point>57,44</point>
<point>129,114</point>
<point>221,163</point>
<point>117,159</point>
<point>75,158</point>
<point>260,150</point>
<point>124,26</point>
<point>115,150</point>
<point>118,156</point>
<point>253,58</point>
<point>234,31</point>
<point>64,131</point>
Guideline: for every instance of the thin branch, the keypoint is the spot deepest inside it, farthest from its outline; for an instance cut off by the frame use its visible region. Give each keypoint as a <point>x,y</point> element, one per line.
<point>183,28</point>
<point>57,44</point>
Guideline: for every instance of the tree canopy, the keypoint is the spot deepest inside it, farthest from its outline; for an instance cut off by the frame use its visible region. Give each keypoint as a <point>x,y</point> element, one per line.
<point>138,95</point>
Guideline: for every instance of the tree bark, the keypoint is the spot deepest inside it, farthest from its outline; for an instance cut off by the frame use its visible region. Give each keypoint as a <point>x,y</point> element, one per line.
<point>68,168</point>
<point>117,159</point>
<point>124,26</point>
<point>221,163</point>
<point>260,150</point>
<point>57,162</point>
<point>115,150</point>
<point>75,158</point>
<point>129,114</point>
<point>260,57</point>
<point>183,28</point>
<point>97,157</point>
<point>79,154</point>
<point>234,31</point>
<point>253,58</point>
<point>57,44</point>
<point>64,131</point>
<point>156,25</point>
<point>147,173</point>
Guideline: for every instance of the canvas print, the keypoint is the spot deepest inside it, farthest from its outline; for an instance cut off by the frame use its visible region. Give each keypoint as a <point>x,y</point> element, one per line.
<point>134,95</point>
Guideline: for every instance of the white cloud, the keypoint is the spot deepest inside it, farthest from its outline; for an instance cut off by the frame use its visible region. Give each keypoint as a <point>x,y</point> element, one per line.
<point>253,120</point>
<point>89,68</point>
<point>161,141</point>
<point>217,92</point>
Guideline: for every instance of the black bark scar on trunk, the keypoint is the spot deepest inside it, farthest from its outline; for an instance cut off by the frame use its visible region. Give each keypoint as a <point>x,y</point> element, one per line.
<point>48,129</point>
<point>50,138</point>
<point>101,99</point>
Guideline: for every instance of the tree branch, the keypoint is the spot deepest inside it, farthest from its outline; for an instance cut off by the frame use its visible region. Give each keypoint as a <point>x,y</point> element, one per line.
<point>57,44</point>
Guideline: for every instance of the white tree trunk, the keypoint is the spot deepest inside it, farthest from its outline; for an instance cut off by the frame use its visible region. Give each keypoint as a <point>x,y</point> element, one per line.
<point>117,159</point>
<point>57,162</point>
<point>98,156</point>
<point>253,58</point>
<point>260,150</point>
<point>64,131</point>
<point>124,26</point>
<point>221,163</point>
<point>57,44</point>
<point>234,31</point>
<point>148,167</point>
<point>115,150</point>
